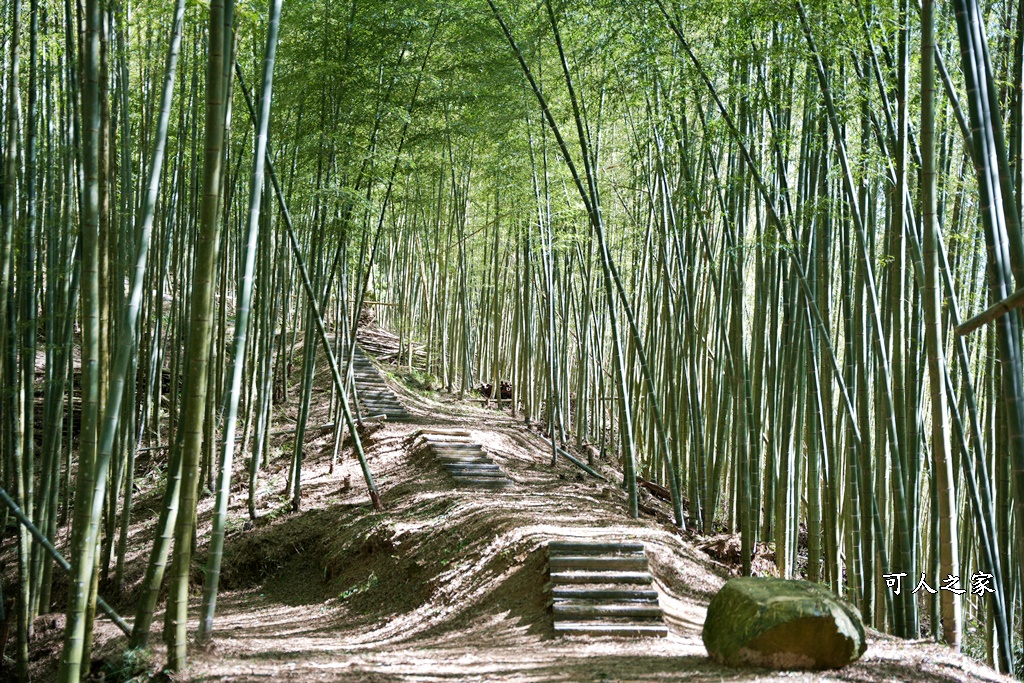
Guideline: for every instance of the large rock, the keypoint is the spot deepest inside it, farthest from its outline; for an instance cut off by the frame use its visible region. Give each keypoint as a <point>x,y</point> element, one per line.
<point>780,624</point>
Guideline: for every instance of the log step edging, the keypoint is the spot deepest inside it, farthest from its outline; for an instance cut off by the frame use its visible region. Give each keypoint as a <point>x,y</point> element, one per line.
<point>600,611</point>
<point>596,562</point>
<point>375,396</point>
<point>602,577</point>
<point>467,476</point>
<point>585,548</point>
<point>465,461</point>
<point>471,467</point>
<point>601,588</point>
<point>598,629</point>
<point>562,593</point>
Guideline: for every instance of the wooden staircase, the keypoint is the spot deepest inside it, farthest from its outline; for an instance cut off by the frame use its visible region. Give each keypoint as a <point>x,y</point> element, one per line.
<point>603,589</point>
<point>467,462</point>
<point>375,396</point>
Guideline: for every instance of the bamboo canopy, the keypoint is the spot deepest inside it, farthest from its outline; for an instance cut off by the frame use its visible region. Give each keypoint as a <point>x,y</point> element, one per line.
<point>765,259</point>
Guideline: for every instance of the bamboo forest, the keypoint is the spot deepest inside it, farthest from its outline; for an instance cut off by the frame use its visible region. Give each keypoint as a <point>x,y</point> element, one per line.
<point>511,340</point>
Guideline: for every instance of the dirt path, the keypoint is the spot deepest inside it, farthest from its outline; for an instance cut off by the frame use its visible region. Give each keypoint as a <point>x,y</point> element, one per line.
<point>448,585</point>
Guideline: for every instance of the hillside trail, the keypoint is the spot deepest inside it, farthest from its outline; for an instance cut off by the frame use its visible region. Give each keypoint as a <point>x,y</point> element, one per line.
<point>448,584</point>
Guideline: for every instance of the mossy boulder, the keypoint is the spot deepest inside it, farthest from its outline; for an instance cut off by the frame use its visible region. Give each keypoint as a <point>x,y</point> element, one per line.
<point>782,624</point>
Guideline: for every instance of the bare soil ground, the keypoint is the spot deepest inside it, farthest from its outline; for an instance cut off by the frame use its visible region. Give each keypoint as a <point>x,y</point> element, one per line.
<point>444,584</point>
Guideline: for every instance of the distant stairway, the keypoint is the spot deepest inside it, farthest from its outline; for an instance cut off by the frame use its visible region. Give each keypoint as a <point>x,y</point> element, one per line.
<point>375,396</point>
<point>603,589</point>
<point>466,461</point>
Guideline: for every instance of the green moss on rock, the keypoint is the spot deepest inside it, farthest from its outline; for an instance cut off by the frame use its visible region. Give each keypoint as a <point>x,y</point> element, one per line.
<point>782,624</point>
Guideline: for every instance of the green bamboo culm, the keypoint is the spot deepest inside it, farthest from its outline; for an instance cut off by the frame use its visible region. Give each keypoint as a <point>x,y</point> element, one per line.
<point>200,327</point>
<point>245,287</point>
<point>951,610</point>
<point>1002,240</point>
<point>589,196</point>
<point>82,552</point>
<point>728,267</point>
<point>15,381</point>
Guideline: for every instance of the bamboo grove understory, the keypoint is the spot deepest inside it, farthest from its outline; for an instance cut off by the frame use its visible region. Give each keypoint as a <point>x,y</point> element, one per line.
<point>768,255</point>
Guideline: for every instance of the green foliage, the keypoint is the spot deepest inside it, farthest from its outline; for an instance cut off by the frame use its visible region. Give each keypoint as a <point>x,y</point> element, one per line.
<point>416,115</point>
<point>419,380</point>
<point>369,584</point>
<point>129,665</point>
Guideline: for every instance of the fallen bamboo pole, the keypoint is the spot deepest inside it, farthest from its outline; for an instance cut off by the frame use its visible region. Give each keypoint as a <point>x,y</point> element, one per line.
<point>48,547</point>
<point>583,466</point>
<point>312,430</point>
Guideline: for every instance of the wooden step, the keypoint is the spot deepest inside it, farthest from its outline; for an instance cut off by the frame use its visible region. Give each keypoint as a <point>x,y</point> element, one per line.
<point>471,467</point>
<point>621,595</point>
<point>382,407</point>
<point>601,577</point>
<point>440,431</point>
<point>483,460</point>
<point>455,446</point>
<point>609,604</point>
<point>606,610</point>
<point>598,629</point>
<point>477,474</point>
<point>585,548</point>
<point>483,483</point>
<point>478,463</point>
<point>461,455</point>
<point>599,562</point>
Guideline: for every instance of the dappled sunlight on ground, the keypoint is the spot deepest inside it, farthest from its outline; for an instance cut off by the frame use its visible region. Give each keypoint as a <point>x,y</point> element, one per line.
<point>449,584</point>
<point>475,606</point>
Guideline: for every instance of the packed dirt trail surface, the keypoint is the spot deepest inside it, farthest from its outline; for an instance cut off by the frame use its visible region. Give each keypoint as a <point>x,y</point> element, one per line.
<point>448,584</point>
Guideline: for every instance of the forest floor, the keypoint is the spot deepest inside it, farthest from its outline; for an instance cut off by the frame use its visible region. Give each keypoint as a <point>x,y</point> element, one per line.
<point>443,584</point>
